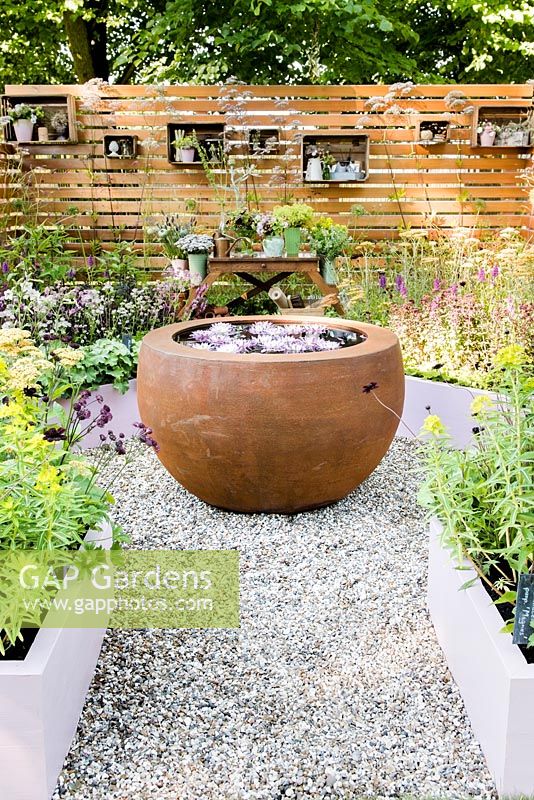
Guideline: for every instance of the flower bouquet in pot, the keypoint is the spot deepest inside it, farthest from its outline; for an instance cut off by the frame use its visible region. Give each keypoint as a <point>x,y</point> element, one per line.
<point>329,241</point>
<point>293,219</point>
<point>24,117</point>
<point>197,246</point>
<point>269,229</point>
<point>168,234</point>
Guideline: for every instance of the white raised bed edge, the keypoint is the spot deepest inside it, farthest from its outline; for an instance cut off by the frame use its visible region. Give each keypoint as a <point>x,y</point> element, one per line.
<point>450,402</point>
<point>41,699</point>
<point>495,681</point>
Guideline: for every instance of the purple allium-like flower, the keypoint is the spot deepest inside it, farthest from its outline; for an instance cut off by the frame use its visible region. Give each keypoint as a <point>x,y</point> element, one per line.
<point>436,286</point>
<point>83,413</point>
<point>369,387</point>
<point>120,447</point>
<point>382,280</point>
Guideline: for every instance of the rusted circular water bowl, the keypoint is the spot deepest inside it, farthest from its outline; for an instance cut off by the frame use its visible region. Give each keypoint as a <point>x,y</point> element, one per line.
<point>271,432</point>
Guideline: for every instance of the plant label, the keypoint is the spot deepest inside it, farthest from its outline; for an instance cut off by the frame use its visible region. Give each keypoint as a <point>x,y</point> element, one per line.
<point>524,611</point>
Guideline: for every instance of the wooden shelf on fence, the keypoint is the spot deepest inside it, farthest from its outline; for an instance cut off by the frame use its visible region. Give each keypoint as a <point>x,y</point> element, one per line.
<point>438,126</point>
<point>127,146</point>
<point>343,147</point>
<point>50,104</point>
<point>501,115</point>
<point>210,136</point>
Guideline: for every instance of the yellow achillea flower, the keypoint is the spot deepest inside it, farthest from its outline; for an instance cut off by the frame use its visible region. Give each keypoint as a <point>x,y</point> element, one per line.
<point>79,466</point>
<point>68,357</point>
<point>433,425</point>
<point>481,403</point>
<point>511,356</point>
<point>14,340</point>
<point>25,372</point>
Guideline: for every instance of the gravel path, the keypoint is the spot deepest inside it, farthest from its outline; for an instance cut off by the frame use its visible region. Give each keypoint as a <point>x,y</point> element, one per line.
<point>334,687</point>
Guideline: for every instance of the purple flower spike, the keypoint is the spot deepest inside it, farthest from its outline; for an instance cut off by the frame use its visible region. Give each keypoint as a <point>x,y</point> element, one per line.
<point>495,271</point>
<point>482,274</point>
<point>382,280</point>
<point>436,285</point>
<point>5,267</point>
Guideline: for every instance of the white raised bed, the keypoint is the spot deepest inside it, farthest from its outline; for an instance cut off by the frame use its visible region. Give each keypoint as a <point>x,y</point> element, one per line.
<point>451,403</point>
<point>41,699</point>
<point>495,681</point>
<point>123,407</point>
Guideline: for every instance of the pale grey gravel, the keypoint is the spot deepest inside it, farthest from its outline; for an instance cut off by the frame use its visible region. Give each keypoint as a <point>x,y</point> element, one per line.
<point>334,686</point>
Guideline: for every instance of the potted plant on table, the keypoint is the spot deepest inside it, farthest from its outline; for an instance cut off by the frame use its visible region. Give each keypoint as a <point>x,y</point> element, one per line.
<point>329,241</point>
<point>169,234</point>
<point>293,219</point>
<point>185,146</point>
<point>24,118</point>
<point>481,551</point>
<point>197,246</point>
<point>269,230</point>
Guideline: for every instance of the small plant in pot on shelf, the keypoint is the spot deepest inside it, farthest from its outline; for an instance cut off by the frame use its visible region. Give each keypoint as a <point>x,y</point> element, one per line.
<point>487,132</point>
<point>185,146</point>
<point>60,124</point>
<point>484,496</point>
<point>293,219</point>
<point>269,230</point>
<point>329,241</point>
<point>197,246</point>
<point>24,118</point>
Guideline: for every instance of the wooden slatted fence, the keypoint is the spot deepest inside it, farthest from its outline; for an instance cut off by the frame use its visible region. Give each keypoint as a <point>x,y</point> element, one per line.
<point>409,184</point>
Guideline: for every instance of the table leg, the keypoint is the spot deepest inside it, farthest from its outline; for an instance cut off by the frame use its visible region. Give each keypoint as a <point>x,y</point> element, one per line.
<point>327,288</point>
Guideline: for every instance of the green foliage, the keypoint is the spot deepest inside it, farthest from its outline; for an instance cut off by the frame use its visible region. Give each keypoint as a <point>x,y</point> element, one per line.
<point>484,496</point>
<point>296,215</point>
<point>38,252</point>
<point>266,41</point>
<point>106,361</point>
<point>330,240</point>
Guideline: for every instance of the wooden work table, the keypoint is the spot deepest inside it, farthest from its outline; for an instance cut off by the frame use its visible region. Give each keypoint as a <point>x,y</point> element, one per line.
<point>250,268</point>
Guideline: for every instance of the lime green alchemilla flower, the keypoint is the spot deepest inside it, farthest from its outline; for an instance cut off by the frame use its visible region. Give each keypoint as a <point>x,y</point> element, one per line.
<point>511,356</point>
<point>433,425</point>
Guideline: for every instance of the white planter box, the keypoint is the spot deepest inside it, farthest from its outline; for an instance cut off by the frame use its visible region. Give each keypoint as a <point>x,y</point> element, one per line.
<point>41,699</point>
<point>495,681</point>
<point>451,403</point>
<point>123,407</point>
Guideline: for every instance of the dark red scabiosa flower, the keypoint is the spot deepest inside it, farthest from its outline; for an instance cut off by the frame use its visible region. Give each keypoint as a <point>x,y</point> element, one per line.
<point>55,434</point>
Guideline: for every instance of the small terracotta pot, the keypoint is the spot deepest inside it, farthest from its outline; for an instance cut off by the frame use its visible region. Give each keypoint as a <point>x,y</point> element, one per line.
<point>271,433</point>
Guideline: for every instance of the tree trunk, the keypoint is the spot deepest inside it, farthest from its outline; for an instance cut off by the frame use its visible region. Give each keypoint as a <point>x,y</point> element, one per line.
<point>88,41</point>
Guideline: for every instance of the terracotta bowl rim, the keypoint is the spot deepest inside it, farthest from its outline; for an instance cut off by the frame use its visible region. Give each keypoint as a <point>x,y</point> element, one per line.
<point>378,340</point>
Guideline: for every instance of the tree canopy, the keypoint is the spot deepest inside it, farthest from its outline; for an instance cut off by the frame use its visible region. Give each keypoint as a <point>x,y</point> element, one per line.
<point>266,41</point>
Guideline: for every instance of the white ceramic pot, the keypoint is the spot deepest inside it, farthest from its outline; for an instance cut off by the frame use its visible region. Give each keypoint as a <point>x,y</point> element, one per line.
<point>23,130</point>
<point>180,263</point>
<point>487,138</point>
<point>314,169</point>
<point>187,154</point>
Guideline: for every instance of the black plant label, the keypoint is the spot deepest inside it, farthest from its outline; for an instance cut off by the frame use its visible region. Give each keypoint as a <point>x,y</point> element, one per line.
<point>524,609</point>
